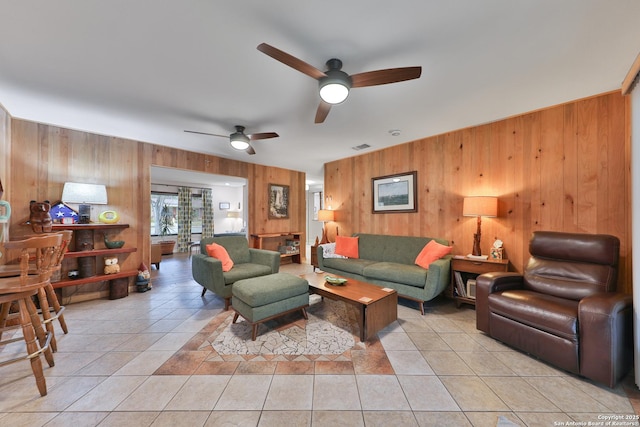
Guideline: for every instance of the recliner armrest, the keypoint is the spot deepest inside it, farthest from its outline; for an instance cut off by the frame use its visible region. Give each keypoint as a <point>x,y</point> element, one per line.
<point>605,322</point>
<point>207,271</point>
<point>487,284</point>
<point>499,281</point>
<point>266,257</point>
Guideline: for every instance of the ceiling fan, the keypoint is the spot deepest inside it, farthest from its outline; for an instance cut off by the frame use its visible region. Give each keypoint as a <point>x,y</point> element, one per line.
<point>335,83</point>
<point>239,140</point>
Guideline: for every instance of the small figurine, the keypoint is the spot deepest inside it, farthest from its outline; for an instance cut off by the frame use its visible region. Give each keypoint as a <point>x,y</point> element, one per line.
<point>40,217</point>
<point>111,265</point>
<point>143,284</point>
<point>497,250</point>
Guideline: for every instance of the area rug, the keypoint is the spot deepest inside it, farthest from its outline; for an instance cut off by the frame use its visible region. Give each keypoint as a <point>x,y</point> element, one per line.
<point>328,330</point>
<point>327,343</point>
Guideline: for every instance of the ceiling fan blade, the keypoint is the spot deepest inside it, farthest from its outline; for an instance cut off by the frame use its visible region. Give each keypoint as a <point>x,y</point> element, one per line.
<point>264,135</point>
<point>250,150</point>
<point>291,61</point>
<point>323,111</point>
<point>383,77</point>
<point>205,133</point>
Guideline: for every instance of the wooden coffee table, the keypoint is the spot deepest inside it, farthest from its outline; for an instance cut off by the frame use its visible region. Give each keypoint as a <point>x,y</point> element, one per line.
<point>377,306</point>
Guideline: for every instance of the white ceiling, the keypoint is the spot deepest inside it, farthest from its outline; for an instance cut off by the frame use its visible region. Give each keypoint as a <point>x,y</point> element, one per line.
<point>148,70</point>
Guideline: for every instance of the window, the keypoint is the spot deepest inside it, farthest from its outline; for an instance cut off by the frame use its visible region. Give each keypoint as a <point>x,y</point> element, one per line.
<point>164,211</point>
<point>197,212</point>
<point>170,200</point>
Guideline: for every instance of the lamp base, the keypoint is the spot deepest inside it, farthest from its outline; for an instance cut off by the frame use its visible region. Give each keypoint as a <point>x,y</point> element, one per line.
<point>476,245</point>
<point>84,214</point>
<point>476,239</point>
<point>325,239</point>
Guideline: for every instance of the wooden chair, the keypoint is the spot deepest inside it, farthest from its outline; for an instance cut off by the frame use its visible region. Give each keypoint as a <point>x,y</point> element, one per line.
<point>156,255</point>
<point>39,265</point>
<point>56,309</point>
<point>19,292</point>
<point>45,254</point>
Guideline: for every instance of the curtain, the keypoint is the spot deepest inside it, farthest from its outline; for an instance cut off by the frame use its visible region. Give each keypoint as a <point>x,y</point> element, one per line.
<point>184,218</point>
<point>207,213</point>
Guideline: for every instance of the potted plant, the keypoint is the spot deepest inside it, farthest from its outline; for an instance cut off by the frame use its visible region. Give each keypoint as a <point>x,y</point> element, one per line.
<point>166,221</point>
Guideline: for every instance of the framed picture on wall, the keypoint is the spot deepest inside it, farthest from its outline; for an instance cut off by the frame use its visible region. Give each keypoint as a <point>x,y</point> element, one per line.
<point>395,193</point>
<point>278,201</point>
<point>224,205</point>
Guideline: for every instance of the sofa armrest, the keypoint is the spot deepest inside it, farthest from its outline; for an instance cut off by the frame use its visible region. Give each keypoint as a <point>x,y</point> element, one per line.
<point>438,276</point>
<point>320,253</point>
<point>207,271</point>
<point>487,284</point>
<point>266,257</point>
<point>605,322</point>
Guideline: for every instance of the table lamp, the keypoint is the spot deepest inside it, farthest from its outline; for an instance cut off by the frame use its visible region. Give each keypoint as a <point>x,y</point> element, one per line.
<point>85,195</point>
<point>325,216</point>
<point>479,206</point>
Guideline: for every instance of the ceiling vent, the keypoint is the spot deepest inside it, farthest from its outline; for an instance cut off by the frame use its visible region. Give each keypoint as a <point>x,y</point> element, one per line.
<point>361,147</point>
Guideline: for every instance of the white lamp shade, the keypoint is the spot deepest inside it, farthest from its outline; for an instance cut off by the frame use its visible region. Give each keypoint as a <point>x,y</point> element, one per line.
<point>75,192</point>
<point>480,206</point>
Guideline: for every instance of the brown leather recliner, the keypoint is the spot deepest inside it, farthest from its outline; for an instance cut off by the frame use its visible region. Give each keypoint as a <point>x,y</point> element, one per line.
<point>565,309</point>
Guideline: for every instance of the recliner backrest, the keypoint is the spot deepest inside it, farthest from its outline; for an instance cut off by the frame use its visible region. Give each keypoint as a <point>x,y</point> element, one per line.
<point>237,247</point>
<point>572,265</point>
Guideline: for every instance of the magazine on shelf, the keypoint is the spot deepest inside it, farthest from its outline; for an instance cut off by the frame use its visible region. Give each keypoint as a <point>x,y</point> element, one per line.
<point>471,288</point>
<point>460,288</point>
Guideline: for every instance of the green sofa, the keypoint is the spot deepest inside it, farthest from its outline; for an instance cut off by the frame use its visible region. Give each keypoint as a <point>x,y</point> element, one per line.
<point>247,263</point>
<point>389,261</point>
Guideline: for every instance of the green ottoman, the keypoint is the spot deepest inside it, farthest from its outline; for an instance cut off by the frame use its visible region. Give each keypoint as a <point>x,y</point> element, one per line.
<point>263,298</point>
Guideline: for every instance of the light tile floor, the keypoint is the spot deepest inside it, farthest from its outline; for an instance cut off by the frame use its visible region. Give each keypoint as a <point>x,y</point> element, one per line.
<point>444,373</point>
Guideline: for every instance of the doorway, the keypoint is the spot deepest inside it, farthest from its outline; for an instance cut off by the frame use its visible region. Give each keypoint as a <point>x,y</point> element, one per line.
<point>229,201</point>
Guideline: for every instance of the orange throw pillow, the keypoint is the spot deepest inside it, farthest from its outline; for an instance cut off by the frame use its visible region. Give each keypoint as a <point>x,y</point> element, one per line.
<point>347,246</point>
<point>431,252</point>
<point>217,251</point>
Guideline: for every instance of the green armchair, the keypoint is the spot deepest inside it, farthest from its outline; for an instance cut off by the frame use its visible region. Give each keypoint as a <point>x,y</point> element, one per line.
<point>247,263</point>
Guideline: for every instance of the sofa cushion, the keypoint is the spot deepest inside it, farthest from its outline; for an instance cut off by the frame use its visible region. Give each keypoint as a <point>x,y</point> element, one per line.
<point>411,275</point>
<point>354,265</point>
<point>403,249</point>
<point>347,246</point>
<point>371,246</point>
<point>557,316</point>
<point>258,291</point>
<point>237,247</point>
<point>431,252</point>
<point>400,249</point>
<point>245,271</point>
<point>216,251</point>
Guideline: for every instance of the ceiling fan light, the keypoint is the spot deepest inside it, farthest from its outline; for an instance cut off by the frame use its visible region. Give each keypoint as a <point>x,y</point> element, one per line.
<point>334,88</point>
<point>239,141</point>
<point>334,93</point>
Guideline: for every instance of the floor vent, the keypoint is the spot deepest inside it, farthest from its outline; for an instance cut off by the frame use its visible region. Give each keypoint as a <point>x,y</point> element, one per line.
<point>361,147</point>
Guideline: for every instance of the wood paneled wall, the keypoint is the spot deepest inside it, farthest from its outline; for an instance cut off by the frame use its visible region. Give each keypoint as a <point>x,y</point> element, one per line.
<point>5,147</point>
<point>5,164</point>
<point>44,157</point>
<point>259,177</point>
<point>564,168</point>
